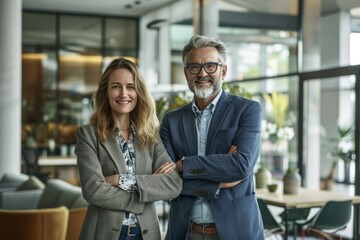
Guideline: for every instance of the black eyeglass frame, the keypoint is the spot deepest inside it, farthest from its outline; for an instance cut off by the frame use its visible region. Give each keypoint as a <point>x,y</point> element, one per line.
<point>203,66</point>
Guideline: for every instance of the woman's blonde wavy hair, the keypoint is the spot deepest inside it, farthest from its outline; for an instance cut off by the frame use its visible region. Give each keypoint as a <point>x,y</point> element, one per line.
<point>143,115</point>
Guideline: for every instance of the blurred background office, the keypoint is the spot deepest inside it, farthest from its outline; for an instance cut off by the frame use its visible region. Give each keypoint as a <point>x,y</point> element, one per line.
<point>299,58</point>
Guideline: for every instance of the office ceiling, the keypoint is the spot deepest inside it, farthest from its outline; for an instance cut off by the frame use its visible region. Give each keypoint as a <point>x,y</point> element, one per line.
<point>140,7</point>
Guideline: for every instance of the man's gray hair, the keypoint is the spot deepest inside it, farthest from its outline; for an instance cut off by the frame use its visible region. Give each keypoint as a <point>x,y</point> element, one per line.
<point>198,41</point>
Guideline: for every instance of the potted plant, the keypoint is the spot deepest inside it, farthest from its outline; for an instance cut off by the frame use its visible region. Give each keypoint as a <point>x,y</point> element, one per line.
<point>339,147</point>
<point>277,130</point>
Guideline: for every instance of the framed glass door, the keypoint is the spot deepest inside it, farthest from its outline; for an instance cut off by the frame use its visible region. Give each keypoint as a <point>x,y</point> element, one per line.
<point>329,143</point>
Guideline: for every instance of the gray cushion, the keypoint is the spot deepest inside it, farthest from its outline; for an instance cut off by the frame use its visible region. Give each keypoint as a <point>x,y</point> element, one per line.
<point>60,193</point>
<point>32,183</point>
<point>68,197</point>
<point>13,177</point>
<point>51,193</point>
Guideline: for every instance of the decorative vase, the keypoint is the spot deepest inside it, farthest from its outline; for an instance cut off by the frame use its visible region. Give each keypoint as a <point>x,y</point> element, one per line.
<point>292,181</point>
<point>263,177</point>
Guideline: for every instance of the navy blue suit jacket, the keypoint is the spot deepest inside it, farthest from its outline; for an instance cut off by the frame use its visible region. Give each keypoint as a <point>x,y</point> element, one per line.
<point>236,121</point>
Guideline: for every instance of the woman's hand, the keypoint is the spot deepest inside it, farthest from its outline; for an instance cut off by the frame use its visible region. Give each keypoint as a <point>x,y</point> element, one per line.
<point>113,180</point>
<point>167,167</point>
<point>228,185</point>
<point>232,149</point>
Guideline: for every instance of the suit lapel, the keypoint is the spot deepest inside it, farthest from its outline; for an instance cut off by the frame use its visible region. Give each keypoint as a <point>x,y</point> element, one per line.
<point>189,130</point>
<point>218,117</point>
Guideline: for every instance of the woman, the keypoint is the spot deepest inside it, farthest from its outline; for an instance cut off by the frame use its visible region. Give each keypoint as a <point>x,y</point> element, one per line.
<point>123,165</point>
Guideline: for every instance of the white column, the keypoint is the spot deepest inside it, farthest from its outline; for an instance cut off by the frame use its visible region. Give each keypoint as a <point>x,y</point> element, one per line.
<point>164,67</point>
<point>311,61</point>
<point>311,31</point>
<point>206,23</point>
<point>335,51</point>
<point>335,39</point>
<point>211,18</point>
<point>179,10</point>
<point>10,86</point>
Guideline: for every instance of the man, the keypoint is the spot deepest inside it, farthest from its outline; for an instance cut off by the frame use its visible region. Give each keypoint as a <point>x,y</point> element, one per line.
<point>215,143</point>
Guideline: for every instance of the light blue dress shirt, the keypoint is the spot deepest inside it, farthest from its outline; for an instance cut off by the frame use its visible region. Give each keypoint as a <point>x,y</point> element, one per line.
<point>201,213</point>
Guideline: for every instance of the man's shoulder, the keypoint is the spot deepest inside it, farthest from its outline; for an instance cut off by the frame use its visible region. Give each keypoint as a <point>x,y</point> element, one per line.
<point>174,112</point>
<point>238,100</point>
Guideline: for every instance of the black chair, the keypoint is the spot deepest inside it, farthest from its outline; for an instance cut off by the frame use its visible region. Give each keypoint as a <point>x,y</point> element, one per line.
<point>332,217</point>
<point>31,159</point>
<point>271,225</point>
<point>293,215</point>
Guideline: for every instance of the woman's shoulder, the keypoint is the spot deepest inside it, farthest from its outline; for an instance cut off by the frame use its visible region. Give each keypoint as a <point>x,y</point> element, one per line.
<point>86,130</point>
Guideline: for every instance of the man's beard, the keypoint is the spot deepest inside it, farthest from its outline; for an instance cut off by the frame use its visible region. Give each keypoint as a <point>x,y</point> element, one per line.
<point>206,92</point>
<point>203,92</point>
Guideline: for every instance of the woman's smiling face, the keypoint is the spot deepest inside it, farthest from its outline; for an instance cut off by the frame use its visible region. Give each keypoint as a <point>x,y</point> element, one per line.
<point>122,95</point>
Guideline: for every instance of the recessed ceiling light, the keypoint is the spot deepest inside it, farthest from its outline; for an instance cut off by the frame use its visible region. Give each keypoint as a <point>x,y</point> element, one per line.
<point>128,6</point>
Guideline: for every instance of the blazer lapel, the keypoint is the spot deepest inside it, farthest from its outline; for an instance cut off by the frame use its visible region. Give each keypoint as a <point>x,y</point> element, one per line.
<point>140,155</point>
<point>114,151</point>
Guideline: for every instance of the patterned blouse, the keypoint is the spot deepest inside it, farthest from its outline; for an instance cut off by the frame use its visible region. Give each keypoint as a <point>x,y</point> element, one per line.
<point>127,182</point>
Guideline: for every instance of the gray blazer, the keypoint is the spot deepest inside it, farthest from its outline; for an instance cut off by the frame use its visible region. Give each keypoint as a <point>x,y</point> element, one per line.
<point>107,204</point>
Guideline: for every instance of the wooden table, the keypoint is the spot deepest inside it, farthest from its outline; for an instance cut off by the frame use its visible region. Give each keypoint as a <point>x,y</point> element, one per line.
<point>64,168</point>
<point>57,161</point>
<point>304,199</point>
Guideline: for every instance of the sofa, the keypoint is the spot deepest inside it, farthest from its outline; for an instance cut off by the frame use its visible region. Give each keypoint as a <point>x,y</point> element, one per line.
<point>55,193</point>
<point>10,181</point>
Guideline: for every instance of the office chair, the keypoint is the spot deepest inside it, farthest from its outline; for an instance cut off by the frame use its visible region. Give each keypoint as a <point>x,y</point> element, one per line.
<point>294,214</point>
<point>271,225</point>
<point>331,218</point>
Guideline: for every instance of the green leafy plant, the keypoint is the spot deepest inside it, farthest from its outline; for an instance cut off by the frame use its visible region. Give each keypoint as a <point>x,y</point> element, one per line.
<point>280,106</point>
<point>278,125</point>
<point>342,145</point>
<point>339,147</point>
<point>179,99</point>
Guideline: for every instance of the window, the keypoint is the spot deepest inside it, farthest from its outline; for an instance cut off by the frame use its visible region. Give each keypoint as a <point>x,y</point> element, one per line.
<point>63,57</point>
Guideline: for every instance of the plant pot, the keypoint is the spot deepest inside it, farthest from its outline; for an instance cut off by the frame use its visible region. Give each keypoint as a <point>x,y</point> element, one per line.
<point>292,181</point>
<point>263,177</point>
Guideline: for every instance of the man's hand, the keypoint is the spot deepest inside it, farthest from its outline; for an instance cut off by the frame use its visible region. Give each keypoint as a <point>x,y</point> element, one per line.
<point>167,167</point>
<point>113,180</point>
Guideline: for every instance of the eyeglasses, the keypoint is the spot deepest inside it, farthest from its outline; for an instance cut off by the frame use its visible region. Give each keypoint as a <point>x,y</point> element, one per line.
<point>209,67</point>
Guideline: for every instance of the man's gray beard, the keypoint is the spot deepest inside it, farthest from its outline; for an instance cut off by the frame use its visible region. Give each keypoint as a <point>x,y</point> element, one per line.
<point>203,92</point>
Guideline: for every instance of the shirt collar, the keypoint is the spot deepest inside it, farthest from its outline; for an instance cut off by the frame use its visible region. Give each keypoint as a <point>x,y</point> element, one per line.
<point>132,130</point>
<point>212,105</point>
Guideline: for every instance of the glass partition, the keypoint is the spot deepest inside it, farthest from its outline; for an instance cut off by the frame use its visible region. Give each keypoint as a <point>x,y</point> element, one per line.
<point>329,143</point>
<point>38,74</point>
<point>279,99</point>
<point>329,132</point>
<point>63,58</point>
